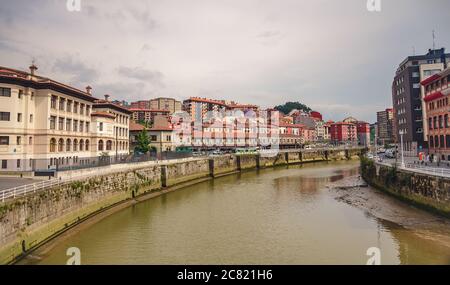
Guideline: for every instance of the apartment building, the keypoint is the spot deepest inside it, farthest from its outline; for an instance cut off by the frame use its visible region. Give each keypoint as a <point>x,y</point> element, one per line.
<point>147,115</point>
<point>110,128</point>
<point>343,132</point>
<point>385,126</point>
<point>407,98</point>
<point>437,93</point>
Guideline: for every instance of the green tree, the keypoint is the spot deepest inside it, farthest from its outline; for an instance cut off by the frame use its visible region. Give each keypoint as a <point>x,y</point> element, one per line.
<point>289,106</point>
<point>143,141</point>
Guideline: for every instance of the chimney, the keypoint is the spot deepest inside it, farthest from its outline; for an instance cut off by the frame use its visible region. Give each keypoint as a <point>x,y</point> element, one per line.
<point>106,97</point>
<point>88,90</point>
<point>33,68</point>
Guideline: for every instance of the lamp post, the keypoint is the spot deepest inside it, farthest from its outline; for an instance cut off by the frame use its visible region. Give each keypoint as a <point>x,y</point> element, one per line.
<point>401,145</point>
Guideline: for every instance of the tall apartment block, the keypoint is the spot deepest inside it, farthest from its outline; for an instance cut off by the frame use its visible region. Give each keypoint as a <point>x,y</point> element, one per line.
<point>407,98</point>
<point>384,126</point>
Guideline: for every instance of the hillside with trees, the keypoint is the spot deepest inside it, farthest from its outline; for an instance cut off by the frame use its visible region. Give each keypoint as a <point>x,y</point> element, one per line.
<point>289,106</point>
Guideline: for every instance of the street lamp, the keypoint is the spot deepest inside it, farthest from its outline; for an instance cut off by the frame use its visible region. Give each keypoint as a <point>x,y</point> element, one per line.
<point>401,145</point>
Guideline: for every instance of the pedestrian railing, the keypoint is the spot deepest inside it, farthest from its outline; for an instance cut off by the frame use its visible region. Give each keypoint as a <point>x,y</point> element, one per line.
<point>441,171</point>
<point>23,190</point>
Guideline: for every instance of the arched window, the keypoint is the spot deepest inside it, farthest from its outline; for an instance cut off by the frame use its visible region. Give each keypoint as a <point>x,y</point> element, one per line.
<point>436,141</point>
<point>61,145</point>
<point>87,145</point>
<point>81,145</point>
<point>52,145</point>
<point>109,145</point>
<point>75,145</point>
<point>100,145</point>
<point>68,144</point>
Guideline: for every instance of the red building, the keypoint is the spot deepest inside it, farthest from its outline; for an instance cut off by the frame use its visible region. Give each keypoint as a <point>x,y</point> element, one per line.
<point>316,115</point>
<point>343,132</point>
<point>363,130</point>
<point>437,93</point>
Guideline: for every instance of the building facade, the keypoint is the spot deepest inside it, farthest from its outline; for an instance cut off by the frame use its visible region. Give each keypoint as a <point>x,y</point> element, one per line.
<point>437,93</point>
<point>384,126</point>
<point>343,132</point>
<point>407,97</point>
<point>44,124</point>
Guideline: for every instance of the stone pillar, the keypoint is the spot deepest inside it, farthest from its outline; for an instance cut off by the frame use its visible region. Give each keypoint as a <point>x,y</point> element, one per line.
<point>164,175</point>
<point>211,167</point>
<point>238,162</point>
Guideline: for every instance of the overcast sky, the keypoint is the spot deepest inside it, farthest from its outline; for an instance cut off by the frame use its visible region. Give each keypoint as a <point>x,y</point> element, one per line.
<point>334,56</point>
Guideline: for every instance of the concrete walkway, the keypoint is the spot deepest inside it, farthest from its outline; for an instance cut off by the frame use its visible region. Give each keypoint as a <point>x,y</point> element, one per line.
<point>11,182</point>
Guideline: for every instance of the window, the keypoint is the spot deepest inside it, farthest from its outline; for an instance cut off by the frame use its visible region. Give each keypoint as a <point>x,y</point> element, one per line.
<point>168,138</point>
<point>61,145</point>
<point>416,85</point>
<point>81,109</point>
<point>87,127</point>
<point>20,94</point>
<point>5,116</point>
<point>75,107</point>
<point>447,141</point>
<point>30,140</point>
<point>18,163</point>
<point>100,145</point>
<point>19,117</point>
<point>441,122</point>
<point>101,126</point>
<point>69,106</point>
<point>87,145</point>
<point>75,125</point>
<point>31,118</point>
<point>52,145</point>
<point>19,140</point>
<point>436,141</point>
<point>81,145</point>
<point>60,124</point>
<point>53,101</point>
<point>4,140</point>
<point>154,138</point>
<point>446,121</point>
<point>109,145</point>
<point>75,145</point>
<point>4,164</point>
<point>68,125</point>
<point>415,74</point>
<point>5,92</point>
<point>68,145</point>
<point>88,110</point>
<point>430,123</point>
<point>52,122</point>
<point>442,141</point>
<point>81,126</point>
<point>62,103</point>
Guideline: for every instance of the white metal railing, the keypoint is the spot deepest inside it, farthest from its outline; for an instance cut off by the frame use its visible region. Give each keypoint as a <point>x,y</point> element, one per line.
<point>436,171</point>
<point>441,171</point>
<point>23,190</point>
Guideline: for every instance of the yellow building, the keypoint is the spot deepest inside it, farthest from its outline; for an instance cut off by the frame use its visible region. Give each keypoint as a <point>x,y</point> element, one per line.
<point>45,124</point>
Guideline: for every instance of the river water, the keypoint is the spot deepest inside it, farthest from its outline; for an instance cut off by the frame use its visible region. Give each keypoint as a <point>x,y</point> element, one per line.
<point>270,216</point>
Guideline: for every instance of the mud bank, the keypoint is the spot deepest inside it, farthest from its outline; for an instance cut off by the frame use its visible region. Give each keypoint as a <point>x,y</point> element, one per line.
<point>354,191</point>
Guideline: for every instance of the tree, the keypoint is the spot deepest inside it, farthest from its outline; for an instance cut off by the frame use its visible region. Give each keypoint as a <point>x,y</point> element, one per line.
<point>289,106</point>
<point>143,142</point>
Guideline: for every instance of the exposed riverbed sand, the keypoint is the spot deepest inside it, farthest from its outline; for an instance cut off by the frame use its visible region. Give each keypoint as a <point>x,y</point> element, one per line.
<point>354,191</point>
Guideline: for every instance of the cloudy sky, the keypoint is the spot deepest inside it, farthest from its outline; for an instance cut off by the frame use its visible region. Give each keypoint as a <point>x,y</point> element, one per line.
<point>334,56</point>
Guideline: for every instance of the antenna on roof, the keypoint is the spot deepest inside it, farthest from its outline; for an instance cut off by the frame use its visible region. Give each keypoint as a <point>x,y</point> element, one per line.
<point>434,40</point>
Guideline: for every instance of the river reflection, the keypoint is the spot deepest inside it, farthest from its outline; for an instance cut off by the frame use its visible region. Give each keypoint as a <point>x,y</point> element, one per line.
<point>283,215</point>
